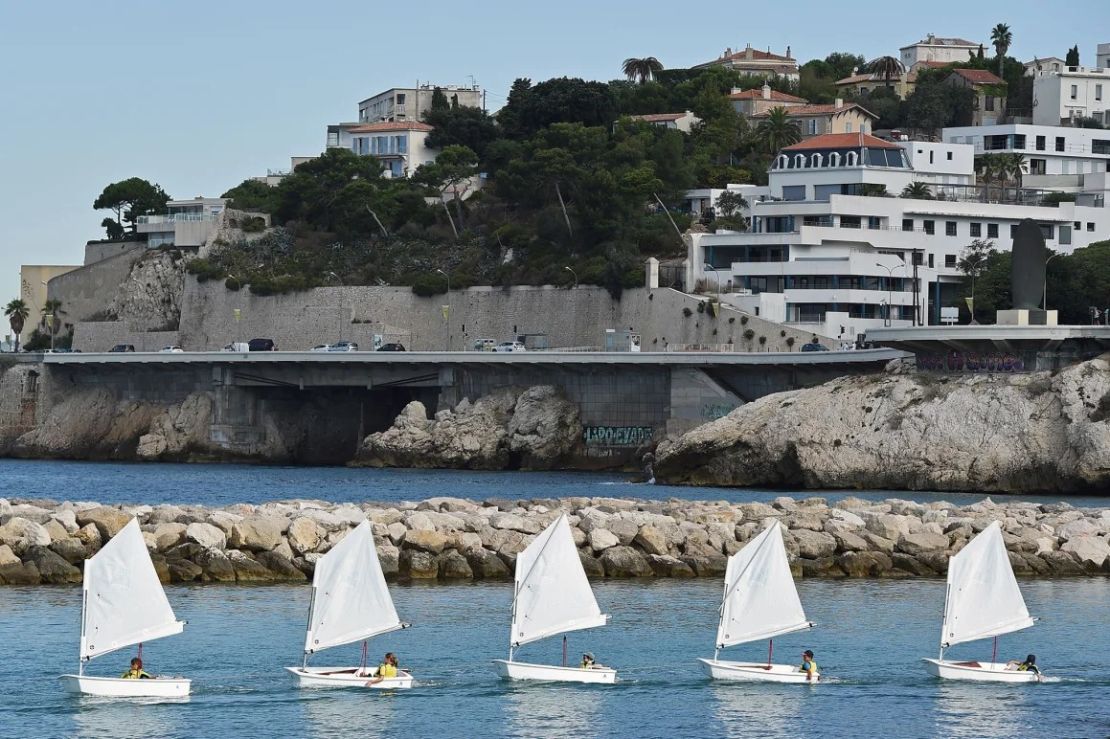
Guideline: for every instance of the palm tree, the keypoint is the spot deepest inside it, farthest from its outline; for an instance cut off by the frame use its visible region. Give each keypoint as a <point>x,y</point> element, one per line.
<point>52,308</point>
<point>777,131</point>
<point>1013,166</point>
<point>17,312</point>
<point>917,191</point>
<point>1001,38</point>
<point>887,67</point>
<point>641,70</point>
<point>989,168</point>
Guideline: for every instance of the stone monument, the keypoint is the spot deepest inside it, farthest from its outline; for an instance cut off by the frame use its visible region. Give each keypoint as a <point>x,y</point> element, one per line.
<point>1027,279</point>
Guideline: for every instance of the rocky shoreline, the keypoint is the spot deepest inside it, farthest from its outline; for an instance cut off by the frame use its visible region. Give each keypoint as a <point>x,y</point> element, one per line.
<point>451,539</point>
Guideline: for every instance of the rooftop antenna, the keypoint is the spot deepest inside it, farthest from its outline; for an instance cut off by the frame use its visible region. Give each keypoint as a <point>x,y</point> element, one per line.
<point>473,82</point>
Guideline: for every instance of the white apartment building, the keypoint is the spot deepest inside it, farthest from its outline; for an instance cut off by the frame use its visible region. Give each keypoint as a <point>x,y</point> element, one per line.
<point>410,103</point>
<point>1074,92</point>
<point>399,145</point>
<point>822,255</point>
<point>1057,157</point>
<point>940,163</point>
<point>186,223</point>
<point>937,49</point>
<point>1044,64</point>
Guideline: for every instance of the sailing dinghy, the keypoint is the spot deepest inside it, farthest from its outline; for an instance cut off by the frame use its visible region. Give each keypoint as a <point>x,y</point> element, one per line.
<point>983,602</point>
<point>760,602</point>
<point>123,603</point>
<point>350,602</point>
<point>552,596</point>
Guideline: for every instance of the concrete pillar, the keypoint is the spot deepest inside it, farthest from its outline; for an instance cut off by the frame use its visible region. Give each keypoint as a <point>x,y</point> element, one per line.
<point>652,273</point>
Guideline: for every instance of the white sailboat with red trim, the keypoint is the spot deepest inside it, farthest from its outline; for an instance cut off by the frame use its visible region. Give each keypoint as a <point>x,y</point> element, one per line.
<point>760,602</point>
<point>123,603</point>
<point>350,603</point>
<point>983,601</point>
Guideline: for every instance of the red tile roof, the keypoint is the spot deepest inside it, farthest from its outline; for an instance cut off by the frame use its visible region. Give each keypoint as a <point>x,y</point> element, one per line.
<point>757,55</point>
<point>803,111</point>
<point>390,126</point>
<point>757,94</point>
<point>658,117</point>
<point>979,76</point>
<point>842,141</point>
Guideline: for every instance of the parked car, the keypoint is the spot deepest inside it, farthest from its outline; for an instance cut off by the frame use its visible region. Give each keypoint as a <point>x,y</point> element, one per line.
<point>319,348</point>
<point>814,347</point>
<point>485,345</point>
<point>171,350</point>
<point>392,347</point>
<point>238,346</point>
<point>261,345</point>
<point>122,348</point>
<point>510,346</point>
<point>343,346</point>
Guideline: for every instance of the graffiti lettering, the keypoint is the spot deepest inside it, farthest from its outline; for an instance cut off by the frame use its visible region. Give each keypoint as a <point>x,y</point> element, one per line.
<point>713,411</point>
<point>618,435</point>
<point>970,362</point>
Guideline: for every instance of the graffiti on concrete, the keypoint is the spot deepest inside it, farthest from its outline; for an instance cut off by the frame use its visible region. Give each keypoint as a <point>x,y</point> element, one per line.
<point>713,411</point>
<point>632,436</point>
<point>971,362</point>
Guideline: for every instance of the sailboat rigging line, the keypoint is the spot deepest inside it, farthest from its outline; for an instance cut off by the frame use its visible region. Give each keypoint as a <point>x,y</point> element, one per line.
<point>994,651</point>
<point>362,664</point>
<point>770,651</point>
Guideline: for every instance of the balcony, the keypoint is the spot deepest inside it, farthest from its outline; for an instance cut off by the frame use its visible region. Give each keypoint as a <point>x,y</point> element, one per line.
<point>176,218</point>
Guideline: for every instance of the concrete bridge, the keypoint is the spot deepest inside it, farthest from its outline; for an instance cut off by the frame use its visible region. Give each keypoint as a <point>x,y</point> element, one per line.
<point>627,401</point>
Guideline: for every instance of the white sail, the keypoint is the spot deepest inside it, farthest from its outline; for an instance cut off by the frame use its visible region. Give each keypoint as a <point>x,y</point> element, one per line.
<point>760,600</point>
<point>983,596</point>
<point>124,601</point>
<point>350,600</point>
<point>553,595</point>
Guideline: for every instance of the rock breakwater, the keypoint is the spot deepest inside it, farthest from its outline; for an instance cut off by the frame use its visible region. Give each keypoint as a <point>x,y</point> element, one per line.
<point>451,539</point>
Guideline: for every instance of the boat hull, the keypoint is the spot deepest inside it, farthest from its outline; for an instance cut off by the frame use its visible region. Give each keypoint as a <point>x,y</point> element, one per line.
<point>348,677</point>
<point>983,672</point>
<point>755,672</point>
<point>554,673</point>
<point>115,687</point>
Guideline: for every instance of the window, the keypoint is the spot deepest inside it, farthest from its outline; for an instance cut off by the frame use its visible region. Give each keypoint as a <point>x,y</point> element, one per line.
<point>907,224</point>
<point>976,230</point>
<point>1090,227</point>
<point>1059,143</point>
<point>930,227</point>
<point>1019,139</point>
<point>1048,230</point>
<point>848,127</point>
<point>949,156</point>
<point>1040,143</point>
<point>794,192</point>
<point>996,143</point>
<point>1078,225</point>
<point>1013,230</point>
<point>1065,235</point>
<point>917,258</point>
<point>1100,146</point>
<point>950,261</point>
<point>333,138</point>
<point>874,223</point>
<point>1074,92</point>
<point>400,98</point>
<point>1037,166</point>
<point>930,261</point>
<point>1098,92</point>
<point>992,230</point>
<point>811,126</point>
<point>930,157</point>
<point>850,222</point>
<point>949,228</point>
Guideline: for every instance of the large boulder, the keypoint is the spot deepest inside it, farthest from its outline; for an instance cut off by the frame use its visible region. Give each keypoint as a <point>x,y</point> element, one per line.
<point>651,540</point>
<point>544,427</point>
<point>427,541</point>
<point>921,542</point>
<point>108,521</point>
<point>304,535</point>
<point>487,565</point>
<point>257,534</point>
<point>21,534</point>
<point>1091,551</point>
<point>814,544</point>
<point>454,566</point>
<point>206,535</point>
<point>602,539</point>
<point>621,561</point>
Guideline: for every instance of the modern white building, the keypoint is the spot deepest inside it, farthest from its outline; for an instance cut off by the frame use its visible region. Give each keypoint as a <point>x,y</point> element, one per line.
<point>1057,157</point>
<point>938,49</point>
<point>1044,64</point>
<point>411,103</point>
<point>401,146</point>
<point>825,255</point>
<point>186,223</point>
<point>1059,98</point>
<point>940,163</point>
<point>684,121</point>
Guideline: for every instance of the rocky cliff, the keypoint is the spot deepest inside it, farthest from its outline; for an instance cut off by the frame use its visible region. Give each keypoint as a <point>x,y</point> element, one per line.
<point>527,429</point>
<point>452,539</point>
<point>912,431</point>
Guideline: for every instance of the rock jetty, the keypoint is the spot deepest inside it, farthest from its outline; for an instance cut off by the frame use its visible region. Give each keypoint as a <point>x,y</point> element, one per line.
<point>450,539</point>
<point>1014,433</point>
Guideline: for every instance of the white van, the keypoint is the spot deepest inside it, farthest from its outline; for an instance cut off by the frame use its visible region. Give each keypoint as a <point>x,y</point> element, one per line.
<point>485,345</point>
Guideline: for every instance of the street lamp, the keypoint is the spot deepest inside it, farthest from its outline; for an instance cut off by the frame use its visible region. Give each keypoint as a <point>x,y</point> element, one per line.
<point>1044,298</point>
<point>889,287</point>
<point>717,277</point>
<point>447,310</point>
<point>568,269</point>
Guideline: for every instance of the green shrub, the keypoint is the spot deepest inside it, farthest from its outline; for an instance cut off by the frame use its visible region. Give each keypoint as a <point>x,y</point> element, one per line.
<point>748,334</point>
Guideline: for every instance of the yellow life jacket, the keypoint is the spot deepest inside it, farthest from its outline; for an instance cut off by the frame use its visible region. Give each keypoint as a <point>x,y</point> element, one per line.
<point>387,670</point>
<point>812,667</point>
<point>134,675</point>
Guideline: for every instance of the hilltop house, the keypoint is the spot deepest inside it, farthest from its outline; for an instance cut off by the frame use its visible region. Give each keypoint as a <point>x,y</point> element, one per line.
<point>837,117</point>
<point>756,63</point>
<point>411,103</point>
<point>938,49</point>
<point>1059,98</point>
<point>760,100</point>
<point>677,121</point>
<point>401,146</point>
<point>990,94</point>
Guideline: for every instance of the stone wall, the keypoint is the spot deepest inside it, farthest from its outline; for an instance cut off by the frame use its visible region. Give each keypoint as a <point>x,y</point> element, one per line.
<point>450,539</point>
<point>213,316</point>
<point>98,251</point>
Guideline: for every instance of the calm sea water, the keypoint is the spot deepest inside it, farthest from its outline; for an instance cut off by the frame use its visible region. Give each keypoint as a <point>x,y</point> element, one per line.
<point>223,484</point>
<point>868,642</point>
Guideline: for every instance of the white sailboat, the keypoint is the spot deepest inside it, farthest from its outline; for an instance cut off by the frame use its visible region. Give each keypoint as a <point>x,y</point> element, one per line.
<point>983,601</point>
<point>123,603</point>
<point>350,603</point>
<point>760,602</point>
<point>552,596</point>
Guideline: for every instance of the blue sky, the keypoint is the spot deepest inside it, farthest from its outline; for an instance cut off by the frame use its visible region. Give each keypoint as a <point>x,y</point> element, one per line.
<point>199,96</point>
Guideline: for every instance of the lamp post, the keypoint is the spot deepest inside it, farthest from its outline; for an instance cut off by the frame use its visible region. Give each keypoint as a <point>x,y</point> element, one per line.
<point>1044,297</point>
<point>575,274</point>
<point>717,277</point>
<point>447,310</point>
<point>889,287</point>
